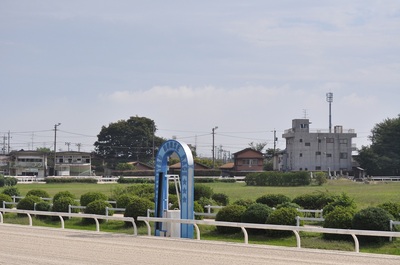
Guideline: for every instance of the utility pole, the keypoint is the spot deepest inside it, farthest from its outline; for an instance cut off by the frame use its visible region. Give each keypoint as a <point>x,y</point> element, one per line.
<point>4,144</point>
<point>68,144</point>
<point>329,99</point>
<point>213,145</point>
<point>79,146</point>
<point>8,142</point>
<point>275,139</point>
<point>55,145</point>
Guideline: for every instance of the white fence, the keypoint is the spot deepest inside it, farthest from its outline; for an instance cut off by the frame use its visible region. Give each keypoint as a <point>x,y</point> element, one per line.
<point>294,229</point>
<point>96,217</point>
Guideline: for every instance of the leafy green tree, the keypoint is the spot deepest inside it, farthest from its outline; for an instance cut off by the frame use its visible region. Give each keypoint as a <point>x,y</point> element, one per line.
<point>126,140</point>
<point>257,146</point>
<point>382,157</point>
<point>125,166</point>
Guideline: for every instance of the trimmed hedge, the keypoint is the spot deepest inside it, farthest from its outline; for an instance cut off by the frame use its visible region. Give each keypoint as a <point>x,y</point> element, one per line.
<point>39,193</point>
<point>230,213</point>
<point>256,213</point>
<point>273,200</point>
<point>28,203</point>
<point>92,196</point>
<point>61,194</point>
<point>314,201</point>
<point>96,207</point>
<point>50,180</point>
<point>282,216</point>
<point>339,217</point>
<point>391,207</point>
<point>372,218</point>
<point>123,180</point>
<point>138,207</point>
<point>11,191</point>
<point>220,198</point>
<point>273,178</point>
<point>7,181</point>
<point>5,198</point>
<point>244,202</point>
<point>62,203</point>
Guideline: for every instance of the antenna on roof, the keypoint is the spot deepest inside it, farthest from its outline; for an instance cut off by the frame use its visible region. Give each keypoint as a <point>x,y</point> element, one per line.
<point>329,99</point>
<point>305,115</point>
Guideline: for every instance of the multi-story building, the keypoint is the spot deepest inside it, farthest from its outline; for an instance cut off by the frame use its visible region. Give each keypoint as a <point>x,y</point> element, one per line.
<point>72,163</point>
<point>28,163</point>
<point>317,151</point>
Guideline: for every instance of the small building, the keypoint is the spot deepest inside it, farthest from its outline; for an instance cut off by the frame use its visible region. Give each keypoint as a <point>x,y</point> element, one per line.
<point>73,163</point>
<point>28,163</point>
<point>248,160</point>
<point>317,151</point>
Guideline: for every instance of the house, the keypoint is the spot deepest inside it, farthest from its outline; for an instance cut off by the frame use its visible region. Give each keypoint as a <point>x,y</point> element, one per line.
<point>141,166</point>
<point>198,167</point>
<point>248,160</point>
<point>4,164</point>
<point>73,163</point>
<point>317,151</point>
<point>28,163</point>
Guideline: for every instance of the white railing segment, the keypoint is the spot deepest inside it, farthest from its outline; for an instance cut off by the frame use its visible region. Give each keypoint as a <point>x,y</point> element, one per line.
<point>294,229</point>
<point>96,217</point>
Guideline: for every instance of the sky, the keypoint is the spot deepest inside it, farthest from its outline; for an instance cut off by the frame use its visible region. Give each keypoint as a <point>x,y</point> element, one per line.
<point>246,67</point>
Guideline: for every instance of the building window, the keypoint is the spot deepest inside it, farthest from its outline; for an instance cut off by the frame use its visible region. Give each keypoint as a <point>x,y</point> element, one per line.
<point>301,154</point>
<point>343,141</point>
<point>301,140</point>
<point>304,125</point>
<point>318,153</point>
<point>317,168</point>
<point>328,155</point>
<point>343,156</point>
<point>307,144</point>
<point>330,140</point>
<point>319,141</point>
<point>250,162</point>
<point>301,169</point>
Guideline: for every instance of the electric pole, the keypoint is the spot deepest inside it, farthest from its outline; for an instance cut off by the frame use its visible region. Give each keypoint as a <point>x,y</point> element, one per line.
<point>55,145</point>
<point>213,145</point>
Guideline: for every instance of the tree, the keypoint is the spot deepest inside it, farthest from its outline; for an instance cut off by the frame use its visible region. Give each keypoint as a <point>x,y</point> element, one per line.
<point>382,157</point>
<point>257,146</point>
<point>126,140</point>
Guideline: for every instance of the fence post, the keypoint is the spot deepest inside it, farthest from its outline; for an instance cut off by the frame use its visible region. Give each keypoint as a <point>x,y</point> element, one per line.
<point>297,220</point>
<point>1,218</point>
<point>246,236</point>
<point>391,229</point>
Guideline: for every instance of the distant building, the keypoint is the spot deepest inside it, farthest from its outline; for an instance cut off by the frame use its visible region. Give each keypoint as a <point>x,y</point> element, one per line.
<point>316,151</point>
<point>28,163</point>
<point>248,160</point>
<point>72,163</point>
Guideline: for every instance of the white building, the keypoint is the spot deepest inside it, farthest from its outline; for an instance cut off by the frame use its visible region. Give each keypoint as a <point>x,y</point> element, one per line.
<point>317,151</point>
<point>73,163</point>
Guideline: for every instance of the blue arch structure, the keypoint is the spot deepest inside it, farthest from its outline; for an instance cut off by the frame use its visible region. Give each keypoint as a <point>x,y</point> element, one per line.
<point>187,183</point>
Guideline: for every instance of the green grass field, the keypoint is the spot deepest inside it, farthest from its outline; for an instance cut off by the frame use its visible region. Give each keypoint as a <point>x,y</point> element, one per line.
<point>364,195</point>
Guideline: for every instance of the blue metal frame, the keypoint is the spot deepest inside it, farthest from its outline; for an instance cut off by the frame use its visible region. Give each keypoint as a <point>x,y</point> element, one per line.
<point>187,183</point>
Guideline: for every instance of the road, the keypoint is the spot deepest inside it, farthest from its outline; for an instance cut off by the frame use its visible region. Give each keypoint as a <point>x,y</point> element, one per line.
<point>38,245</point>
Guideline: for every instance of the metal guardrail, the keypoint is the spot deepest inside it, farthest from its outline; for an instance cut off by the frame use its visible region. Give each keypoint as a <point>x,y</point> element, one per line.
<point>294,229</point>
<point>96,217</point>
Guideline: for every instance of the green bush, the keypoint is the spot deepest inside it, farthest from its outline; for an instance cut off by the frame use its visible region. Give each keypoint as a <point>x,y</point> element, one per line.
<point>124,180</point>
<point>282,216</point>
<point>43,206</point>
<point>50,180</point>
<point>11,191</point>
<point>60,194</point>
<point>5,198</point>
<point>202,191</point>
<point>124,200</point>
<point>198,209</point>
<point>91,197</point>
<point>244,202</point>
<point>9,181</point>
<point>230,213</point>
<point>256,213</point>
<point>314,201</point>
<point>61,204</point>
<point>393,208</point>
<point>272,200</point>
<point>97,207</point>
<point>288,205</point>
<point>339,217</point>
<point>320,178</point>
<point>138,207</point>
<point>274,178</point>
<point>372,218</point>
<point>2,181</point>
<point>39,193</point>
<point>28,203</point>
<point>343,200</point>
<point>221,198</point>
<point>206,201</point>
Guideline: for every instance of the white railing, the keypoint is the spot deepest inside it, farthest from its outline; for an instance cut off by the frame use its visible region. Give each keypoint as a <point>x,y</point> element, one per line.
<point>96,217</point>
<point>314,219</point>
<point>294,229</point>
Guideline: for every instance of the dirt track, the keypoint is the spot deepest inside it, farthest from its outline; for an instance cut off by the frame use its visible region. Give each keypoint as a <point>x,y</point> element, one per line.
<point>33,245</point>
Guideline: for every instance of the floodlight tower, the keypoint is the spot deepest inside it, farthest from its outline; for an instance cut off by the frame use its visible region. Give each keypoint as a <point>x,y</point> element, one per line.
<point>329,99</point>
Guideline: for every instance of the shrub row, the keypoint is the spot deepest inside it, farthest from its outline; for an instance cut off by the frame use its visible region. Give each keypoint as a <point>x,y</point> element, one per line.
<point>7,181</point>
<point>123,180</point>
<point>272,178</point>
<point>50,180</point>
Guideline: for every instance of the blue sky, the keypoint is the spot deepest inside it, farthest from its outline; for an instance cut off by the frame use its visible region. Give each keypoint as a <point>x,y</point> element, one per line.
<point>248,67</point>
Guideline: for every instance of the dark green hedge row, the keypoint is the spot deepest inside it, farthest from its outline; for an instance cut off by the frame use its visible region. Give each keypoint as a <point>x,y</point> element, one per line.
<point>273,178</point>
<point>123,180</point>
<point>138,173</point>
<point>50,180</point>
